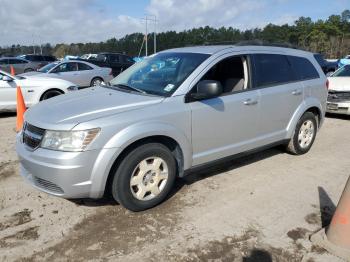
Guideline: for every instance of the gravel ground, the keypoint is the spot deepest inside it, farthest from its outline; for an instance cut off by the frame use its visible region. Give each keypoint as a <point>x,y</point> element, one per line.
<point>259,208</point>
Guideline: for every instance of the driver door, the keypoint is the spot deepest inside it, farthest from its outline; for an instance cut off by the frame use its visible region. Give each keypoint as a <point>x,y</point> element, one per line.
<point>67,71</point>
<point>228,124</point>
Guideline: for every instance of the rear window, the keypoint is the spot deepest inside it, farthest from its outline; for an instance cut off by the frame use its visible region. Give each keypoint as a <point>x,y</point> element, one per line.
<point>271,69</point>
<point>83,67</point>
<point>304,69</point>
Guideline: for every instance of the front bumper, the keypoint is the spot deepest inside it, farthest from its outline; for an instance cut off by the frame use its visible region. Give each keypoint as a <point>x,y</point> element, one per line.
<point>65,174</point>
<point>339,107</point>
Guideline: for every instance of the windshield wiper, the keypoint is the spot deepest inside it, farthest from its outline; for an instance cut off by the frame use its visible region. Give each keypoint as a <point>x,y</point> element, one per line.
<point>130,88</point>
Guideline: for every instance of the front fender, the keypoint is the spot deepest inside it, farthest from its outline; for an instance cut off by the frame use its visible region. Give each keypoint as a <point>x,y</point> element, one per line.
<point>303,107</point>
<point>141,130</point>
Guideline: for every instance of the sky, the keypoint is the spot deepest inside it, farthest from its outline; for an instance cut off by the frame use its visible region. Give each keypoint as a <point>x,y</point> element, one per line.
<point>71,21</point>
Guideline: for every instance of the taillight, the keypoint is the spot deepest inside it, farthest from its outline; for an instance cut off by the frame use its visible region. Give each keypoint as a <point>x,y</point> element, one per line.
<point>327,84</point>
<point>111,73</point>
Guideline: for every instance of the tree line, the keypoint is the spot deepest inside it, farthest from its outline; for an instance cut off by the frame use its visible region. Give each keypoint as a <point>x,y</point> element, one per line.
<point>331,37</point>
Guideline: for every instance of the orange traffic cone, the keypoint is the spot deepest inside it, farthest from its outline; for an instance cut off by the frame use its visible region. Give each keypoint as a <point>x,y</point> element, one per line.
<point>21,108</point>
<point>12,71</point>
<point>336,238</point>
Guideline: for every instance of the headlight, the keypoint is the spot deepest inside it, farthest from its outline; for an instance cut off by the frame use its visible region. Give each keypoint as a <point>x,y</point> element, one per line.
<point>71,141</point>
<point>73,88</point>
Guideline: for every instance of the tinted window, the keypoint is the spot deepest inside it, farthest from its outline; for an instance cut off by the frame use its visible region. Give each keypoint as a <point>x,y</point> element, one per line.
<point>50,58</point>
<point>33,58</point>
<point>319,58</point>
<point>272,70</point>
<point>344,71</point>
<point>303,67</point>
<point>83,67</point>
<point>101,58</point>
<point>3,62</point>
<point>114,58</point>
<point>16,61</point>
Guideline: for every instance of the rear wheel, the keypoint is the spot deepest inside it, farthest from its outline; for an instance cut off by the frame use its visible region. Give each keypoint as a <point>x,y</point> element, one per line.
<point>50,93</point>
<point>304,135</point>
<point>144,177</point>
<point>96,81</point>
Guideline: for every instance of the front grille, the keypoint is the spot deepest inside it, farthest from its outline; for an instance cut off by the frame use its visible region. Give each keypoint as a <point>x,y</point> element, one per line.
<point>47,185</point>
<point>32,135</point>
<point>338,96</point>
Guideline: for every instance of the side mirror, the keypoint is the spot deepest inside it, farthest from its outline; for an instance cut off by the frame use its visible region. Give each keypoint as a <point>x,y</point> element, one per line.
<point>207,89</point>
<point>7,79</point>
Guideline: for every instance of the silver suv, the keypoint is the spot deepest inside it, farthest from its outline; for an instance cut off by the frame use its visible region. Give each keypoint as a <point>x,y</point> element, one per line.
<point>176,110</point>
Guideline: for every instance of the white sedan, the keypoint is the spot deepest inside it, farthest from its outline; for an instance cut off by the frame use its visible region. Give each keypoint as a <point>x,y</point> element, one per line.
<point>338,101</point>
<point>81,73</point>
<point>34,90</point>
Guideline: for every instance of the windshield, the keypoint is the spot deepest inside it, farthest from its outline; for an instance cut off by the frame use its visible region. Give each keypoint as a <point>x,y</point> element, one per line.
<point>160,74</point>
<point>344,71</point>
<point>47,68</point>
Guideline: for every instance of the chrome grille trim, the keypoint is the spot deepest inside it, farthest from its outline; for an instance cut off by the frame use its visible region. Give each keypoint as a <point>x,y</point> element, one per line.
<point>338,96</point>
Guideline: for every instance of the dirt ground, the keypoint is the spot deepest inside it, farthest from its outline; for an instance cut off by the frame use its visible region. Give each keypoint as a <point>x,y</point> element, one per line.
<point>259,208</point>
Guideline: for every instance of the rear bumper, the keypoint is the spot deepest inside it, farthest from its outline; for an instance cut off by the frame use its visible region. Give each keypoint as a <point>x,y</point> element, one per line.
<point>339,107</point>
<point>66,174</point>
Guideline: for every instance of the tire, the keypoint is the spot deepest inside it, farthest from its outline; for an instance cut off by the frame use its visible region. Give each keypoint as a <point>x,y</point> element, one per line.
<point>96,81</point>
<point>50,93</point>
<point>141,171</point>
<point>304,135</point>
<point>28,70</point>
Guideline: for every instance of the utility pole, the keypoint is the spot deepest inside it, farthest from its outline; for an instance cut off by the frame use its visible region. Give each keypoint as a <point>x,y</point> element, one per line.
<point>146,36</point>
<point>154,20</point>
<point>33,44</point>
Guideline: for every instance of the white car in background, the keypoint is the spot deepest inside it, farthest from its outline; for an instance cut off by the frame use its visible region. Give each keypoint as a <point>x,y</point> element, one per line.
<point>81,73</point>
<point>34,90</point>
<point>338,101</point>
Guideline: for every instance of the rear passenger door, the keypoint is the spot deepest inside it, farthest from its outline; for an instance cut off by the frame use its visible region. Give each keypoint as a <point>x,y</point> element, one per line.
<point>280,95</point>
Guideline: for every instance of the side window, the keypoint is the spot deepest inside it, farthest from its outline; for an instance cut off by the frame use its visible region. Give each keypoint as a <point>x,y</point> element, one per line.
<point>114,58</point>
<point>49,58</point>
<point>102,58</point>
<point>83,67</point>
<point>3,62</point>
<point>16,61</point>
<point>272,69</point>
<point>303,67</point>
<point>230,72</point>
<point>66,67</point>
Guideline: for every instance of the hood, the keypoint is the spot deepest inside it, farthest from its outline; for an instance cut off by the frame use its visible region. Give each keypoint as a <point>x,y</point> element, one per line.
<point>339,83</point>
<point>42,80</point>
<point>66,111</point>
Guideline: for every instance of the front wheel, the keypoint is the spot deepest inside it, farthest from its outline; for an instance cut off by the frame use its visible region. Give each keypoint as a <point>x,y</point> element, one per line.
<point>144,177</point>
<point>304,135</point>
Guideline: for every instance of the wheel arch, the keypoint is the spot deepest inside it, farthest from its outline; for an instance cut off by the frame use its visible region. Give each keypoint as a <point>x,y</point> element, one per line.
<point>133,136</point>
<point>310,105</point>
<point>50,89</point>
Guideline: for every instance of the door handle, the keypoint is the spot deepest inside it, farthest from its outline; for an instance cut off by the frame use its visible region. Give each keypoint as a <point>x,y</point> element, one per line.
<point>250,102</point>
<point>297,92</point>
<point>30,91</point>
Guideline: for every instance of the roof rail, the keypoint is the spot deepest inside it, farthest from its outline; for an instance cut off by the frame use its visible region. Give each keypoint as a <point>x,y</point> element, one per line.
<point>256,42</point>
